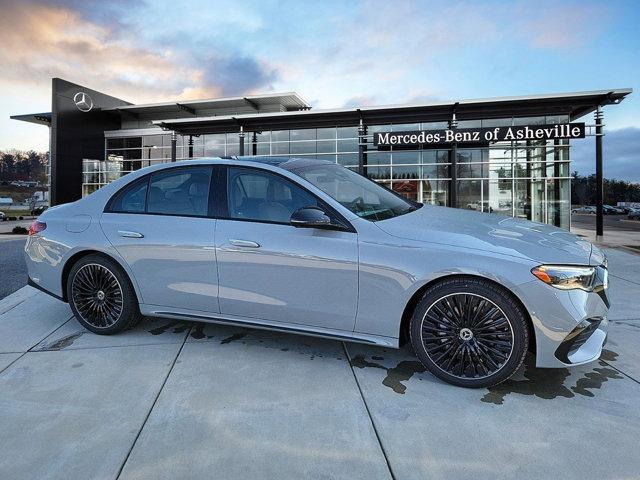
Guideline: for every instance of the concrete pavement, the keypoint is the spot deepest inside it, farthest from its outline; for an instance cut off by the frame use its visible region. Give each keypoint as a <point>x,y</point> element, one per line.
<point>179,400</point>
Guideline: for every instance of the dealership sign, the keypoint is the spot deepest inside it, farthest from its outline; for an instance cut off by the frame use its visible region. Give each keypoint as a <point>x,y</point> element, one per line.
<point>479,135</point>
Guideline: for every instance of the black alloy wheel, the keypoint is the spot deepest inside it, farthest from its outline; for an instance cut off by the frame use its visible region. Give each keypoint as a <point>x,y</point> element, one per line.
<point>469,332</point>
<point>97,295</point>
<point>101,295</point>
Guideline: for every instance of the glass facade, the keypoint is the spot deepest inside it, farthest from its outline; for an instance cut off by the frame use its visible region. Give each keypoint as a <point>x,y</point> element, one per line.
<point>526,179</point>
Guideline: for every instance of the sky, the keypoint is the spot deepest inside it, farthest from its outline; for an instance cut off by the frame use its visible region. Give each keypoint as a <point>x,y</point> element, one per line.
<point>332,53</point>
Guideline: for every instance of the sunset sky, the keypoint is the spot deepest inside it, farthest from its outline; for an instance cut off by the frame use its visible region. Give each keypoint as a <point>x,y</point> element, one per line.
<point>333,53</point>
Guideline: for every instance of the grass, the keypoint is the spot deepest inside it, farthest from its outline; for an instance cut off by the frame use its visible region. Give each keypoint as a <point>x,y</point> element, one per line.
<point>16,213</point>
<point>18,194</point>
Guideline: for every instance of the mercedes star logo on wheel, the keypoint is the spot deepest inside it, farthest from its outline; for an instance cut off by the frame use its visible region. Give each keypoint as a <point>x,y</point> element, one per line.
<point>83,101</point>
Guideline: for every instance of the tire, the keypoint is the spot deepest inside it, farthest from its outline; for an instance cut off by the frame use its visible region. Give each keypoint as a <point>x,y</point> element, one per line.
<point>101,295</point>
<point>450,337</point>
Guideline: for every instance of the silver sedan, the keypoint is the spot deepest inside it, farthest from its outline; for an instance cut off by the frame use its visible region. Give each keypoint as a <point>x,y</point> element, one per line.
<point>307,246</point>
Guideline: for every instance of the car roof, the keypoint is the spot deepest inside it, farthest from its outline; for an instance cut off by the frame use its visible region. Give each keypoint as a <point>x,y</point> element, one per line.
<point>286,163</point>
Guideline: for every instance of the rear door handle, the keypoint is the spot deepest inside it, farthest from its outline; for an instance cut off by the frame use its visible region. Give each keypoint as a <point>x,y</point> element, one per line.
<point>130,234</point>
<point>244,243</point>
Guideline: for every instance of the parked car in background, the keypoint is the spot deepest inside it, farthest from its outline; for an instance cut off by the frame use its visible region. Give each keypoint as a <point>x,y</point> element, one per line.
<point>611,210</point>
<point>478,206</point>
<point>38,210</point>
<point>308,246</point>
<point>3,217</point>
<point>586,209</point>
<point>634,214</point>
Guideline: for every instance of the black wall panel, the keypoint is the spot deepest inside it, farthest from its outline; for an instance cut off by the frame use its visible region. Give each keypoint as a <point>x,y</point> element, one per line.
<point>75,135</point>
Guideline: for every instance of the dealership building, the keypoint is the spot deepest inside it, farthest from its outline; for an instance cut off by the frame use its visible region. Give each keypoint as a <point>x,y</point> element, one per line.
<point>508,155</point>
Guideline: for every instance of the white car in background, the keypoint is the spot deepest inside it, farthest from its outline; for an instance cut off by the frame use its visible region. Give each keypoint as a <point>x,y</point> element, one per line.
<point>586,209</point>
<point>634,214</point>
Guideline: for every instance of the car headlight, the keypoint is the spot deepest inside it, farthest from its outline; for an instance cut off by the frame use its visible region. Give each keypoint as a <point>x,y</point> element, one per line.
<point>567,277</point>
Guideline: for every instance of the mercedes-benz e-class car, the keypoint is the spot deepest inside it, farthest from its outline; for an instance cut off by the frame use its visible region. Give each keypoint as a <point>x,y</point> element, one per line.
<point>308,246</point>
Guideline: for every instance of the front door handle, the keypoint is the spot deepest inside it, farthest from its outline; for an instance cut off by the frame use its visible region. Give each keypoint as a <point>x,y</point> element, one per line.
<point>244,243</point>
<point>130,234</point>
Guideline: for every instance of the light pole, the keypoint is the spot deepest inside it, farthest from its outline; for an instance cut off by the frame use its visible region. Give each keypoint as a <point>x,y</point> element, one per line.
<point>599,176</point>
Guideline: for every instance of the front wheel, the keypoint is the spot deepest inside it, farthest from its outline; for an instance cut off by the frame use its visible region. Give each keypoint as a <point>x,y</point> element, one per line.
<point>469,332</point>
<point>101,295</point>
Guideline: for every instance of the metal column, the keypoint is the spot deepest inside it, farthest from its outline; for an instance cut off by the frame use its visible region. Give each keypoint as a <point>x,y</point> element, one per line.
<point>362,149</point>
<point>453,160</point>
<point>556,184</point>
<point>190,146</point>
<point>599,178</point>
<point>254,144</point>
<point>241,140</point>
<point>174,143</point>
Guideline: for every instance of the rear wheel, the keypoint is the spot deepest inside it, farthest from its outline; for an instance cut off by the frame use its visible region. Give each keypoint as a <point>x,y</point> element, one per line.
<point>101,295</point>
<point>469,333</point>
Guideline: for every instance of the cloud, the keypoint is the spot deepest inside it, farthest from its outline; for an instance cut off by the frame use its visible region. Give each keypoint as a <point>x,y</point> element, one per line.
<point>360,101</point>
<point>425,49</point>
<point>238,75</point>
<point>41,41</point>
<point>621,154</point>
<point>334,53</point>
<point>554,26</point>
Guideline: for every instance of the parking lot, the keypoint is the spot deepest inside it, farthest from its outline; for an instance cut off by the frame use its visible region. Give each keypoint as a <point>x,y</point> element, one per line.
<point>611,222</point>
<point>181,400</point>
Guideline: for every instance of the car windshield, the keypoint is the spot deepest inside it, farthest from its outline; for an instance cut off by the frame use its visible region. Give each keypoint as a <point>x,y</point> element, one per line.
<point>362,196</point>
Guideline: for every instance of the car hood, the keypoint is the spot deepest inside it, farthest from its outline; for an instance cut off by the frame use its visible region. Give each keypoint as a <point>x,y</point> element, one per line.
<point>516,237</point>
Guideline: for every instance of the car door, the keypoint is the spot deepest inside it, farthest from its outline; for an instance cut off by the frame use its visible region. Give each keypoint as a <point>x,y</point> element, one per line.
<point>273,271</point>
<point>162,227</point>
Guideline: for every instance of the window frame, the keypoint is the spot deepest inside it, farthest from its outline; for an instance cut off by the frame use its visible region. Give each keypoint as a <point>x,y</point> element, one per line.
<point>343,225</point>
<point>212,205</point>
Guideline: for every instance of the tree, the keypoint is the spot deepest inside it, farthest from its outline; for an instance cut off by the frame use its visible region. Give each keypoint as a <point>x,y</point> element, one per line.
<point>583,190</point>
<point>29,165</point>
<point>7,165</point>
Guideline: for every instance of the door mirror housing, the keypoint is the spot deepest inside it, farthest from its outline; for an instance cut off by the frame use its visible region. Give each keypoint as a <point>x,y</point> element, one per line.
<point>311,217</point>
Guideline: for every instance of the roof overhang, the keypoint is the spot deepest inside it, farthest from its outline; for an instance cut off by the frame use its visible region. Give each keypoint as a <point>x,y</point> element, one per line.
<point>38,118</point>
<point>576,105</point>
<point>283,101</point>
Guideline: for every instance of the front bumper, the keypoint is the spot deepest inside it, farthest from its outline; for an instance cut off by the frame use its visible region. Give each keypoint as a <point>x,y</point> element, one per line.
<point>570,326</point>
<point>584,343</point>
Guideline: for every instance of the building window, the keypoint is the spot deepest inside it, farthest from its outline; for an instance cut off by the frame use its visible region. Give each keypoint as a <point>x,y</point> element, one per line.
<point>523,179</point>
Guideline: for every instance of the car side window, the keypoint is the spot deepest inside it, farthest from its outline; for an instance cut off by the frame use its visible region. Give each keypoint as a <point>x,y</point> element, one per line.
<point>183,191</point>
<point>263,196</point>
<point>131,199</point>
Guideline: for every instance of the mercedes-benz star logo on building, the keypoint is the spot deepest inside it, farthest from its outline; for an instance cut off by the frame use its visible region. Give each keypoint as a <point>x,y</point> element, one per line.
<point>83,101</point>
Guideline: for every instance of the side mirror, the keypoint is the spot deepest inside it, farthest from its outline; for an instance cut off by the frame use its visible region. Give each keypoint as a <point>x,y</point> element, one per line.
<point>310,217</point>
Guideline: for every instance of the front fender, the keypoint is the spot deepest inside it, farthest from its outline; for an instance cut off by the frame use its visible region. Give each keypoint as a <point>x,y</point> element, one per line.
<point>392,274</point>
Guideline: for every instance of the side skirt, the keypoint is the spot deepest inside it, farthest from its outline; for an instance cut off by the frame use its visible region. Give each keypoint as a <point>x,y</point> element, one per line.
<point>151,311</point>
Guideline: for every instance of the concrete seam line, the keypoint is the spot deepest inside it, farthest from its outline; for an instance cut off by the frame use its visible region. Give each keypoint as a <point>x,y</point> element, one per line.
<point>620,371</point>
<point>38,343</point>
<point>4,301</point>
<point>153,404</point>
<point>366,406</point>
<point>13,306</point>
